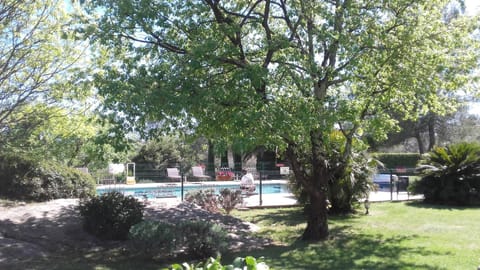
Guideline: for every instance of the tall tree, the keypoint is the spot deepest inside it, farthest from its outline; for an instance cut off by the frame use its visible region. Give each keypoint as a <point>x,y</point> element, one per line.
<point>284,73</point>
<point>38,58</point>
<point>431,130</point>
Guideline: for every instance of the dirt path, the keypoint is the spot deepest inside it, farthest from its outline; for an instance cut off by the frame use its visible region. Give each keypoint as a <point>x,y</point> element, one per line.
<point>29,231</point>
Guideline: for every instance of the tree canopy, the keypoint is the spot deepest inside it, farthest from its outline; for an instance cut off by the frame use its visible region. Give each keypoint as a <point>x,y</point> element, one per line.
<point>285,73</point>
<point>46,100</point>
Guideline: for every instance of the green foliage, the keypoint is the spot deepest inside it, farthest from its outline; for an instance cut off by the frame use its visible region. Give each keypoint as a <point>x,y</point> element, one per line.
<point>202,239</point>
<point>111,215</point>
<point>171,151</point>
<point>205,198</point>
<point>153,237</point>
<point>42,81</point>
<point>396,160</point>
<point>162,152</point>
<point>229,199</point>
<point>351,180</point>
<point>450,175</point>
<point>239,263</point>
<point>54,133</point>
<point>191,239</point>
<point>354,184</point>
<point>24,178</point>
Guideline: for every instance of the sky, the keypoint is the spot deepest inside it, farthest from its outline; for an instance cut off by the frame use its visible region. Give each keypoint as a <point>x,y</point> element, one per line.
<point>473,8</point>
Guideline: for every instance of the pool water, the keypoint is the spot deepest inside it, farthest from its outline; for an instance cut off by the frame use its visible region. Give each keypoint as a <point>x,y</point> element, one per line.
<point>175,190</point>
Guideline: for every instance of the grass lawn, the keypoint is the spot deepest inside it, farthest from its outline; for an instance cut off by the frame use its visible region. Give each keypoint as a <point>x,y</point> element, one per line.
<point>394,236</point>
<point>401,235</point>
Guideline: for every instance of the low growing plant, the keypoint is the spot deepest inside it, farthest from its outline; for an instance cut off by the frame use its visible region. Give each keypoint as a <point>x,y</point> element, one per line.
<point>239,263</point>
<point>205,198</point>
<point>450,175</point>
<point>155,237</point>
<point>111,215</point>
<point>192,239</point>
<point>229,199</point>
<point>202,239</point>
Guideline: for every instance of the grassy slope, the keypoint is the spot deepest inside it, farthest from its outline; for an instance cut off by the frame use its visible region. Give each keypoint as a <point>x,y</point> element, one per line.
<point>393,236</point>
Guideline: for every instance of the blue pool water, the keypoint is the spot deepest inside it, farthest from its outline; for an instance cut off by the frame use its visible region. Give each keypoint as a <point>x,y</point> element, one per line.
<point>166,191</point>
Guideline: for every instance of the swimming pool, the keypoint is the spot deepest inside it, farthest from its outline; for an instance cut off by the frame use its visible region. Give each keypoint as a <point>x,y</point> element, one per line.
<point>174,190</point>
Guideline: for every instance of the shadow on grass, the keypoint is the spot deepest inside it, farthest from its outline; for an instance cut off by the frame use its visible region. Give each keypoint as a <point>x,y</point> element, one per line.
<point>421,204</point>
<point>291,216</point>
<point>344,250</point>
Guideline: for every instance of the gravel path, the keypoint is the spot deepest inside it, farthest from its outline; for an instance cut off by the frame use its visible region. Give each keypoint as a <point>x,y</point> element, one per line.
<point>35,230</point>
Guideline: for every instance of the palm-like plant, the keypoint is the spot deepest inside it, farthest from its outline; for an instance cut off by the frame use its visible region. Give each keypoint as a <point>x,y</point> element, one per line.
<point>451,175</point>
<point>351,176</point>
<point>354,184</point>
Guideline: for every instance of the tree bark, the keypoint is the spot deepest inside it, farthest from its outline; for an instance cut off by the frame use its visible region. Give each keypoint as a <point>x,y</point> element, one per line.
<point>210,159</point>
<point>421,146</point>
<point>317,220</point>
<point>317,223</point>
<point>314,186</point>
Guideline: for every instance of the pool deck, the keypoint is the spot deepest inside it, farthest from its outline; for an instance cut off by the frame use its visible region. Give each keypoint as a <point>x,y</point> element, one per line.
<point>255,200</point>
<point>205,184</point>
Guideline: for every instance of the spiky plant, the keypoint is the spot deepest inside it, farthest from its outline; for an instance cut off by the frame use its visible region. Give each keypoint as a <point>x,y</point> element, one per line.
<point>450,175</point>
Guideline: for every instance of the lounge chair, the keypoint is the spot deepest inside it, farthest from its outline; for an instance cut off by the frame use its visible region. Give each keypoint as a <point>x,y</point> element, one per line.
<point>174,174</point>
<point>197,172</point>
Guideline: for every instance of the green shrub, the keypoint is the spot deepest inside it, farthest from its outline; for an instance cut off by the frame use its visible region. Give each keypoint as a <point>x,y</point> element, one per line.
<point>347,187</point>
<point>193,239</point>
<point>111,215</point>
<point>354,184</point>
<point>202,239</point>
<point>229,199</point>
<point>154,237</point>
<point>450,175</point>
<point>397,160</point>
<point>23,178</point>
<point>248,262</point>
<point>205,198</point>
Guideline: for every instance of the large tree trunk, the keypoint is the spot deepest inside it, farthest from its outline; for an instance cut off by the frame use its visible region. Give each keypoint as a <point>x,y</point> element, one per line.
<point>314,186</point>
<point>210,159</point>
<point>421,146</point>
<point>317,221</point>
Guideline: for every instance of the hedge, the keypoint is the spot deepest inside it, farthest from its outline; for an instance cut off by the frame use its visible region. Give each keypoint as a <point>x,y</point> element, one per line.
<point>24,178</point>
<point>398,160</point>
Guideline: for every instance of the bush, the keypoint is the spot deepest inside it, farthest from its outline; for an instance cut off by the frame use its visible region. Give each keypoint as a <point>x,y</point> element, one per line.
<point>450,175</point>
<point>248,262</point>
<point>194,239</point>
<point>23,178</point>
<point>153,237</point>
<point>208,200</point>
<point>346,187</point>
<point>396,160</point>
<point>205,198</point>
<point>229,199</point>
<point>111,215</point>
<point>354,184</point>
<point>202,239</point>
